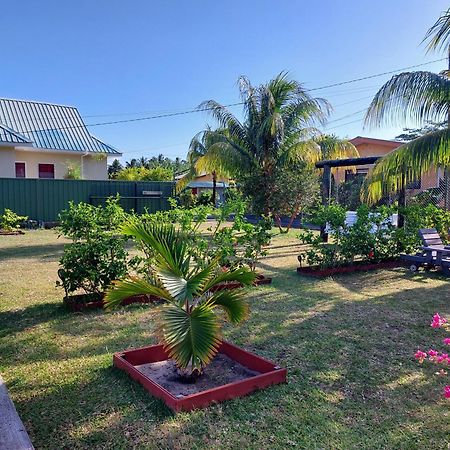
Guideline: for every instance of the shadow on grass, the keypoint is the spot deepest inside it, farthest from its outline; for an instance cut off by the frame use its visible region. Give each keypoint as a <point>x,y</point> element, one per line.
<point>44,251</point>
<point>15,321</point>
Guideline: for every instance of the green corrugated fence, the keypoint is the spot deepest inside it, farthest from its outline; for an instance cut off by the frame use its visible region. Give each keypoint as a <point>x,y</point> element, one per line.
<point>43,200</point>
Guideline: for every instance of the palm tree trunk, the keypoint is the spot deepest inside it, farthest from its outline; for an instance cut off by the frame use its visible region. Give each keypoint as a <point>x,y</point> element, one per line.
<point>214,190</point>
<point>446,170</point>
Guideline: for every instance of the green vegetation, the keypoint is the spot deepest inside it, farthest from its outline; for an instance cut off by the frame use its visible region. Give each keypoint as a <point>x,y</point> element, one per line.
<point>10,221</point>
<point>190,328</point>
<point>348,343</point>
<point>96,255</point>
<point>145,174</point>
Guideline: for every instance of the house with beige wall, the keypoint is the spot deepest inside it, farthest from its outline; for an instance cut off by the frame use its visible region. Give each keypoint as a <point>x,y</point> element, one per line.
<point>380,147</point>
<point>44,140</point>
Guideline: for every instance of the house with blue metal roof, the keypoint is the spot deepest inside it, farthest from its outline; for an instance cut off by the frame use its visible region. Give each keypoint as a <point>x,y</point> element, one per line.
<point>44,140</point>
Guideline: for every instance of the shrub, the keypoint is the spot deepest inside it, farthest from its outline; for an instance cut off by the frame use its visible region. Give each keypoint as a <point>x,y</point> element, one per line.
<point>441,359</point>
<point>97,253</point>
<point>370,238</point>
<point>10,221</point>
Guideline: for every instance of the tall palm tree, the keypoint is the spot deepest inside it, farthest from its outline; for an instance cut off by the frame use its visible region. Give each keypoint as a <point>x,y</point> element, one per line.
<point>189,327</point>
<point>199,161</point>
<point>422,97</point>
<point>280,118</point>
<point>438,36</point>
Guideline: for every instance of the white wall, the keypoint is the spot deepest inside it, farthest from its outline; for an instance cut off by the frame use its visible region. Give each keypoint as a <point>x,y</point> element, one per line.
<point>7,160</point>
<point>95,167</point>
<point>92,167</point>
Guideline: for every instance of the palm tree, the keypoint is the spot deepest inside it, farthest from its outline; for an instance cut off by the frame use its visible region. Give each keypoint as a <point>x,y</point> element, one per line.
<point>333,147</point>
<point>280,118</point>
<point>189,326</point>
<point>438,36</point>
<point>199,161</point>
<point>423,97</point>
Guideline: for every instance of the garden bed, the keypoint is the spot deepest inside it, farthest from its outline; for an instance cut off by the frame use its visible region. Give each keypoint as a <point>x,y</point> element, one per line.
<point>359,266</point>
<point>234,372</point>
<point>11,233</point>
<point>82,302</point>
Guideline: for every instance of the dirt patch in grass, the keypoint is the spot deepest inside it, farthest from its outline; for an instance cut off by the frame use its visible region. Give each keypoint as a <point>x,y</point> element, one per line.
<point>222,370</point>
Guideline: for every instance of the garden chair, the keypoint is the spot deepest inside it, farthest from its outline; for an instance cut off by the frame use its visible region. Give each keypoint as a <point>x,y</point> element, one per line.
<point>434,253</point>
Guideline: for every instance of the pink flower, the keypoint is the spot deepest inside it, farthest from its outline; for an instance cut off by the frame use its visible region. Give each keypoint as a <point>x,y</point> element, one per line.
<point>432,353</point>
<point>420,356</point>
<point>447,341</point>
<point>438,321</point>
<point>443,358</point>
<point>447,391</point>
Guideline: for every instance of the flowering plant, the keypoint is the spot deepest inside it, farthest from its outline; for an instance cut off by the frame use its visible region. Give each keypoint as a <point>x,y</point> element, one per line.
<point>436,357</point>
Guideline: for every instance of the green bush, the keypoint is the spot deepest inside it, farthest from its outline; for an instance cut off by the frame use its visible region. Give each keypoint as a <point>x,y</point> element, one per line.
<point>97,254</point>
<point>372,237</point>
<point>10,221</point>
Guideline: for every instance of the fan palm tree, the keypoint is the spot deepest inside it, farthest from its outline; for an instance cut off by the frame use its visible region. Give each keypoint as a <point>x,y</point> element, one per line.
<point>422,97</point>
<point>189,326</point>
<point>280,118</point>
<point>198,159</point>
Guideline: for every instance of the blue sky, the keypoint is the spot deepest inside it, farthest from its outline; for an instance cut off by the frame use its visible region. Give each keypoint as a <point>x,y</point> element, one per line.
<point>113,59</point>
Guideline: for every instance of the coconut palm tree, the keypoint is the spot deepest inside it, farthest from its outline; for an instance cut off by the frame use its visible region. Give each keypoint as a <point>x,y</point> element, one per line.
<point>423,97</point>
<point>189,325</point>
<point>280,118</point>
<point>438,36</point>
<point>198,159</point>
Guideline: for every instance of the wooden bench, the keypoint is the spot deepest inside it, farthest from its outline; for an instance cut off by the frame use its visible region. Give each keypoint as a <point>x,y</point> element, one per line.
<point>13,435</point>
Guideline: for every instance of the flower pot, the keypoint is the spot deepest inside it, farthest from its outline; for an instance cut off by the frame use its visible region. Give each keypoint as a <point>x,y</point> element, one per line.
<point>359,266</point>
<point>146,366</point>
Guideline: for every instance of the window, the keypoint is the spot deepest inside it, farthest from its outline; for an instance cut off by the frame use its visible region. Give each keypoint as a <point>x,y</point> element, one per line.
<point>350,175</point>
<point>20,170</point>
<point>46,171</point>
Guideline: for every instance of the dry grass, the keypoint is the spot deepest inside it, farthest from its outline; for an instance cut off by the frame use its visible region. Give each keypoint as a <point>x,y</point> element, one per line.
<point>347,342</point>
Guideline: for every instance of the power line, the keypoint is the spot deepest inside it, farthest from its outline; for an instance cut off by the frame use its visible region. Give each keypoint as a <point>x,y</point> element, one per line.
<point>191,111</point>
<point>377,75</point>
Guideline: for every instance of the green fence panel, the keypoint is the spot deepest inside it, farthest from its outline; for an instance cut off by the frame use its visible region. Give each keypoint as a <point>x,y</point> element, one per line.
<point>43,200</point>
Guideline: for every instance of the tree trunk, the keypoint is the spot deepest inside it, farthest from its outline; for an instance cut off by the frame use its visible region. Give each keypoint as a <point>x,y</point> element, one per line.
<point>214,190</point>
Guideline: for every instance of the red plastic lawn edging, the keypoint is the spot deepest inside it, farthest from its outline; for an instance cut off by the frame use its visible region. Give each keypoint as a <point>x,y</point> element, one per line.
<point>82,302</point>
<point>270,374</point>
<point>314,271</point>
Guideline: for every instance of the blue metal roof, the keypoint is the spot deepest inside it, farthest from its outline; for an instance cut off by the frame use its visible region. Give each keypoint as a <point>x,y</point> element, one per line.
<point>48,126</point>
<point>7,135</point>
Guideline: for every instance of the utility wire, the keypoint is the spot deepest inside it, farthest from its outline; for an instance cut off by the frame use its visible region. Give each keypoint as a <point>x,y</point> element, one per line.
<point>191,111</point>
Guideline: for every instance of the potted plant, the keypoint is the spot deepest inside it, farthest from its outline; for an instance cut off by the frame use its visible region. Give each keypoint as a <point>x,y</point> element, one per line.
<point>188,322</point>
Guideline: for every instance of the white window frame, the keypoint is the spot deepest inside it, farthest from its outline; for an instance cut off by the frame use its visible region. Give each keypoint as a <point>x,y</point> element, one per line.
<point>21,162</point>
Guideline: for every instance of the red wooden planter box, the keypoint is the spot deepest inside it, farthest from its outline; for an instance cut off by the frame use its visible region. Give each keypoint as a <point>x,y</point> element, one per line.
<point>76,303</point>
<point>270,374</point>
<point>314,271</point>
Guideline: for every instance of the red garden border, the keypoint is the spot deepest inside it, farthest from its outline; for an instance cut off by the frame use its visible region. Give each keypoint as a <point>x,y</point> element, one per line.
<point>76,304</point>
<point>270,374</point>
<point>314,271</point>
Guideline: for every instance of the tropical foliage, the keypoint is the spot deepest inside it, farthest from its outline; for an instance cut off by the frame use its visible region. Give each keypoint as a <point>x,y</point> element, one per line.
<point>10,221</point>
<point>197,157</point>
<point>423,97</point>
<point>97,254</point>
<point>190,327</point>
<point>280,120</point>
<point>144,174</point>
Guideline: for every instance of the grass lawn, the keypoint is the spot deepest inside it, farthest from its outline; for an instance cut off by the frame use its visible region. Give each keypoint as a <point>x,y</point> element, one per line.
<point>347,342</point>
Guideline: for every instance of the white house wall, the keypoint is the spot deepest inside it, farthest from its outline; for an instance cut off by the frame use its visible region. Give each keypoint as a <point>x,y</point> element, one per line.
<point>7,160</point>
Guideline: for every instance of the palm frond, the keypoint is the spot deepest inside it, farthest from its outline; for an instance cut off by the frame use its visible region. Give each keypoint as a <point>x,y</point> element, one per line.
<point>240,274</point>
<point>438,36</point>
<point>232,302</point>
<point>419,96</point>
<point>170,249</point>
<point>190,338</point>
<point>407,164</point>
<point>123,289</point>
